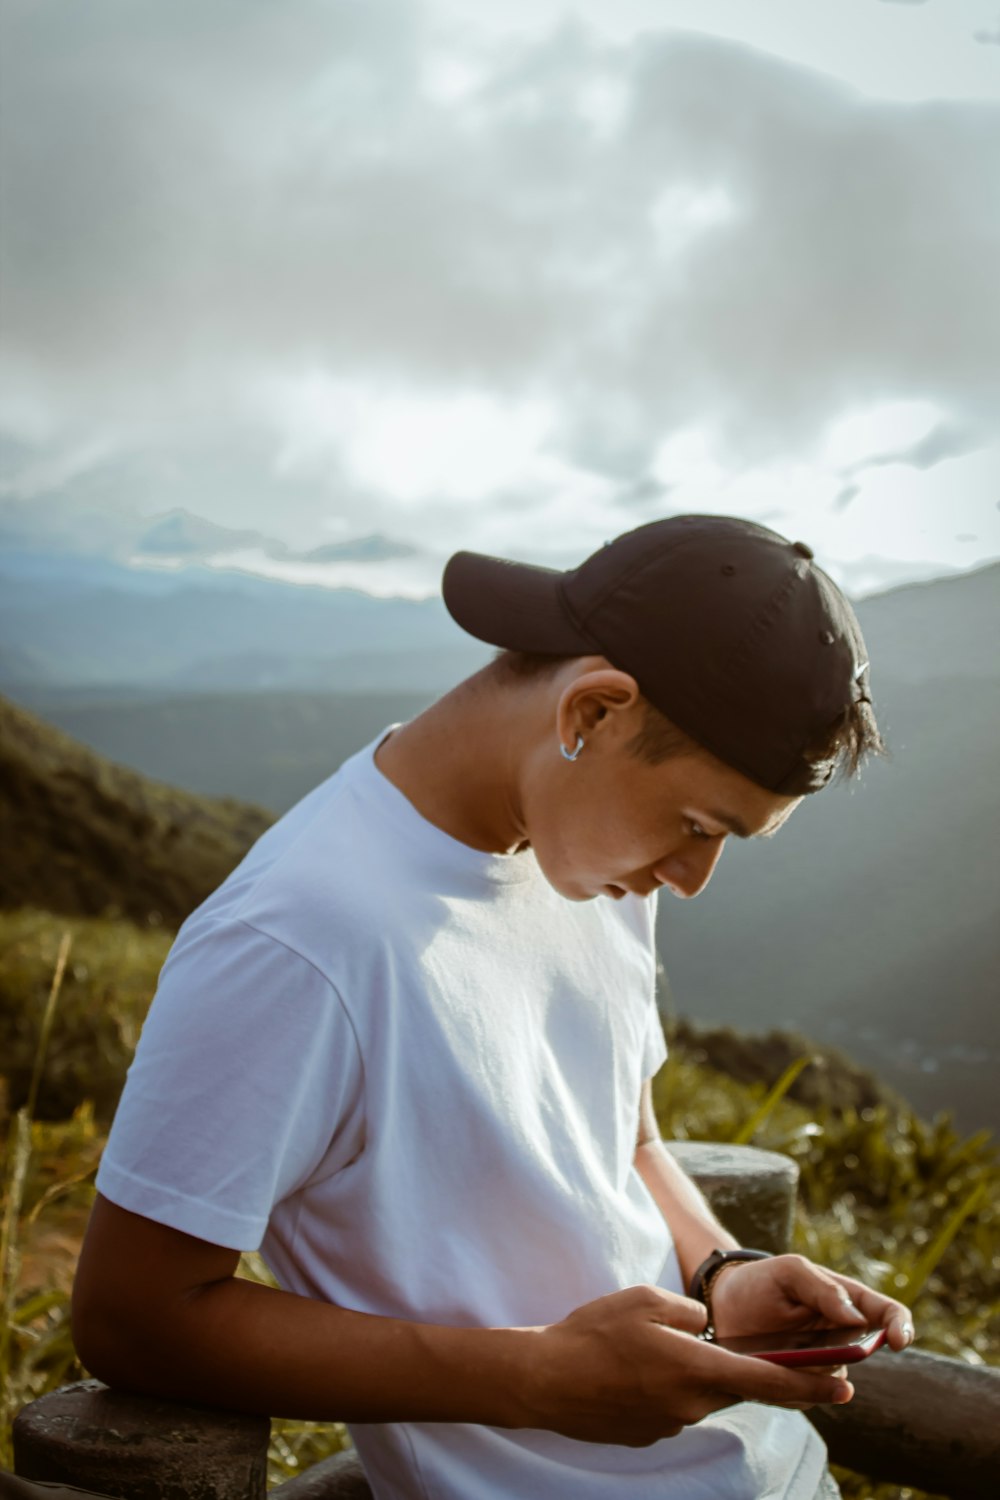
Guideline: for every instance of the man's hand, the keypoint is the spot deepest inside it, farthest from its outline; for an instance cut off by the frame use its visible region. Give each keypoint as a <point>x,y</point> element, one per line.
<point>790,1292</point>
<point>629,1369</point>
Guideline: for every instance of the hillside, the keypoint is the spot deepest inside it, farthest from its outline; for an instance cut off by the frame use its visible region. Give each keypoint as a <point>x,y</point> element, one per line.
<point>81,836</point>
<point>942,629</point>
<point>269,748</point>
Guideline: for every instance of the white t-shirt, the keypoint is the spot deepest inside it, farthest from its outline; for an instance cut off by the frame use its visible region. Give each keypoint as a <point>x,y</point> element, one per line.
<point>409,1072</point>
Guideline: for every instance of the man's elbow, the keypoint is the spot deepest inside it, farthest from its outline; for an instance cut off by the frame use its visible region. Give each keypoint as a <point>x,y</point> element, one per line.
<point>133,1282</point>
<point>105,1337</point>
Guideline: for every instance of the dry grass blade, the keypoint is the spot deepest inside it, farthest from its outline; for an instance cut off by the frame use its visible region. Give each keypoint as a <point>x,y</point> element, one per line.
<point>918,1274</point>
<point>10,1251</point>
<point>19,1152</point>
<point>47,1018</point>
<point>58,1190</point>
<point>778,1091</point>
<point>38,1305</point>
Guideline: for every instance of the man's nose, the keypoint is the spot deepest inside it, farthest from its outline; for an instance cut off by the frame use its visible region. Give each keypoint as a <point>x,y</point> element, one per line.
<point>687,873</point>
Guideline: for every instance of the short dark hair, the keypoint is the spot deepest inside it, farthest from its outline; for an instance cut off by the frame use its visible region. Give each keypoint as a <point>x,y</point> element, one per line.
<point>849,741</point>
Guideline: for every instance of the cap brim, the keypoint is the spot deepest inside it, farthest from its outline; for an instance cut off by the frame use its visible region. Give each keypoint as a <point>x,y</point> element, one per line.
<point>510,604</point>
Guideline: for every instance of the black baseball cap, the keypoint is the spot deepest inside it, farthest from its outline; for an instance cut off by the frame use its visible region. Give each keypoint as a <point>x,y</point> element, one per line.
<point>729,629</point>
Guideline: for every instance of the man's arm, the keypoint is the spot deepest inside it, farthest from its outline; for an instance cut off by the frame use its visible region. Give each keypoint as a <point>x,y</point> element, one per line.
<point>695,1229</point>
<point>161,1312</point>
<point>787,1291</point>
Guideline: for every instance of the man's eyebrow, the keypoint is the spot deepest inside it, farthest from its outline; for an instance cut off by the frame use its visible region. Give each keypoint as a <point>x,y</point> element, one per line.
<point>736,825</point>
<point>732,822</point>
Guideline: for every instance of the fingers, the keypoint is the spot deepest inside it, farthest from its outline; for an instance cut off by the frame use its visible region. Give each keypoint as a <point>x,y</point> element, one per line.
<point>901,1332</point>
<point>881,1312</point>
<point>776,1385</point>
<point>673,1311</point>
<point>811,1405</point>
<point>836,1303</point>
<point>842,1300</point>
<point>819,1289</point>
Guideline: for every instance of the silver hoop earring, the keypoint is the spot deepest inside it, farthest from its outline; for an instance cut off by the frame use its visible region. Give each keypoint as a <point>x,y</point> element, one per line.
<point>573,754</point>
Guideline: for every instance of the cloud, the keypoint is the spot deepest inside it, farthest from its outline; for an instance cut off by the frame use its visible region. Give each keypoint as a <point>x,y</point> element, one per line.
<point>838,274</point>
<point>367,549</point>
<point>910,433</point>
<point>844,496</point>
<point>943,441</point>
<point>599,245</point>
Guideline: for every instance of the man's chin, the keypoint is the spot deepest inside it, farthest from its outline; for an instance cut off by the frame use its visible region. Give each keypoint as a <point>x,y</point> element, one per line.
<point>573,890</point>
<point>577,893</point>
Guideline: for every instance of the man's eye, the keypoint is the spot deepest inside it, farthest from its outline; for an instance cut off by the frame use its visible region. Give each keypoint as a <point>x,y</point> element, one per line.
<point>696,830</point>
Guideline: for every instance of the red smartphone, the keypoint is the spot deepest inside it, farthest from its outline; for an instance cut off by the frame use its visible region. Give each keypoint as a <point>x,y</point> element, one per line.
<point>810,1346</point>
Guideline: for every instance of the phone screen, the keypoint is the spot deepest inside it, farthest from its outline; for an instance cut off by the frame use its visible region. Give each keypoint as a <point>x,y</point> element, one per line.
<point>817,1346</point>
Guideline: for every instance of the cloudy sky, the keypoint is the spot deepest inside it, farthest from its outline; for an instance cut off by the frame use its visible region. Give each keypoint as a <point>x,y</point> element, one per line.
<point>514,277</point>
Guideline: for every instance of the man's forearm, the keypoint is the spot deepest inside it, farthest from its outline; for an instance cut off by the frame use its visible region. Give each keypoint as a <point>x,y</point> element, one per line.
<point>250,1347</point>
<point>159,1311</point>
<point>695,1229</point>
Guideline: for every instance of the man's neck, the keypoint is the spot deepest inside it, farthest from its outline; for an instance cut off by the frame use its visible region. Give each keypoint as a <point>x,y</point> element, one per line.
<point>458,764</point>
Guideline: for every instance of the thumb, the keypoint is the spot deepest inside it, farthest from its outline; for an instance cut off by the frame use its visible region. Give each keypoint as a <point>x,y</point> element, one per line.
<point>679,1312</point>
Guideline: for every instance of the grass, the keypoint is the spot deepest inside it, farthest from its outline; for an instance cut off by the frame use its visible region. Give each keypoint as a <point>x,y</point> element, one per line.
<point>36,1348</point>
<point>908,1205</point>
<point>105,993</point>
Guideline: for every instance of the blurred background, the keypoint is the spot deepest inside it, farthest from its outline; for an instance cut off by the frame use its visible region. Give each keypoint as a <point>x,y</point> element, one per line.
<point>297,299</point>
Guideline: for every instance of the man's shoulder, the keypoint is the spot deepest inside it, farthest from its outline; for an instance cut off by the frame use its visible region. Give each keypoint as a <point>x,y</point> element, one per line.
<point>313,871</point>
<point>321,892</point>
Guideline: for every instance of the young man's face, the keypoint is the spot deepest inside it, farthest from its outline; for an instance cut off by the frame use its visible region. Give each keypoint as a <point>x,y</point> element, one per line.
<point>610,823</point>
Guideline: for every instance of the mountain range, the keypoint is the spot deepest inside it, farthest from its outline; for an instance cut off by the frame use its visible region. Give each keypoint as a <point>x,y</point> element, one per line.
<point>172,538</point>
<point>69,621</point>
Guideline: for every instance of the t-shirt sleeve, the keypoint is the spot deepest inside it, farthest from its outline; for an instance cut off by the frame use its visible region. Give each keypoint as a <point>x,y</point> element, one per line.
<point>246,1083</point>
<point>655,1048</point>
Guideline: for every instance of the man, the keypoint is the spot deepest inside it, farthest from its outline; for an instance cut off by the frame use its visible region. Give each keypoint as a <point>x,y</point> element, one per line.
<point>407,1048</point>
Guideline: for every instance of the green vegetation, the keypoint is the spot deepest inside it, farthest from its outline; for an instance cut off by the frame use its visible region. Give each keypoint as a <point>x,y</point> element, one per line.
<point>106,989</point>
<point>267,747</point>
<point>73,996</point>
<point>84,837</point>
<point>906,1205</point>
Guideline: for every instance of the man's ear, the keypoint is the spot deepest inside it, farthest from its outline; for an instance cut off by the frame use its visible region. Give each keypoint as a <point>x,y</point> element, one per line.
<point>592,699</point>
